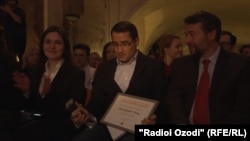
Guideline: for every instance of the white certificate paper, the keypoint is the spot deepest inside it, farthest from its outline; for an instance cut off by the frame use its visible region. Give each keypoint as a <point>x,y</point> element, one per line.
<point>115,133</point>
<point>126,111</point>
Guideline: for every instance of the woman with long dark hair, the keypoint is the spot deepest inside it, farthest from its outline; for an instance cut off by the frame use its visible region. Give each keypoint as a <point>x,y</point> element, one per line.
<point>55,82</point>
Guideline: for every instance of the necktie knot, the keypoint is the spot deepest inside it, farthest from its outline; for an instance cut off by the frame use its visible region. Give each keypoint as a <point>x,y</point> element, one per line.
<point>205,63</point>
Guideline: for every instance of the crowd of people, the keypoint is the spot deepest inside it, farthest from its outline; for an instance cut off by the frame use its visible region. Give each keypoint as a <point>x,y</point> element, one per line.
<point>55,92</point>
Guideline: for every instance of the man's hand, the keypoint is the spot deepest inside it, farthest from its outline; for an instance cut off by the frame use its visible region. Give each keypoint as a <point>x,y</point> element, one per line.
<point>150,120</point>
<point>80,115</point>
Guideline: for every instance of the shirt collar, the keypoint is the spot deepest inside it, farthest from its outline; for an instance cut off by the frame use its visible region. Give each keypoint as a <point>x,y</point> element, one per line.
<point>214,56</point>
<point>131,60</point>
<point>59,64</point>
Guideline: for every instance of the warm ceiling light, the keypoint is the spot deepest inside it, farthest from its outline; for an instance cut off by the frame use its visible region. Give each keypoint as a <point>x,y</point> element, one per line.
<point>72,17</point>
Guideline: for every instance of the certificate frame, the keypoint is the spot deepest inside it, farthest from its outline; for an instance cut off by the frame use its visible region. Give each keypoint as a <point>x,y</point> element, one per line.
<point>127,110</point>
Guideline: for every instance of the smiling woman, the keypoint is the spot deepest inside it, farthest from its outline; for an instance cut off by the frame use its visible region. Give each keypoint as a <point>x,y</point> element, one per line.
<point>50,86</point>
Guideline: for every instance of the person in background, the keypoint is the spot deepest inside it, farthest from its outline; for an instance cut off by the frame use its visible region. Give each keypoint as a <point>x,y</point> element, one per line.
<point>227,40</point>
<point>245,50</point>
<point>132,73</point>
<point>224,97</point>
<point>171,48</point>
<point>50,89</point>
<point>108,52</point>
<point>154,51</point>
<point>30,59</point>
<point>81,54</point>
<point>14,24</point>
<point>94,59</point>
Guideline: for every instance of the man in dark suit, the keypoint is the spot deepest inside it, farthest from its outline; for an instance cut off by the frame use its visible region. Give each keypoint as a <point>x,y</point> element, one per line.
<point>132,73</point>
<point>228,94</point>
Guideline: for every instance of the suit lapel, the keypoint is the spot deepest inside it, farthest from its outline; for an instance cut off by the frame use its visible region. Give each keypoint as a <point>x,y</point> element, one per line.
<point>192,80</point>
<point>36,79</point>
<point>219,70</point>
<point>139,67</point>
<point>59,76</point>
<point>59,80</point>
<point>194,68</point>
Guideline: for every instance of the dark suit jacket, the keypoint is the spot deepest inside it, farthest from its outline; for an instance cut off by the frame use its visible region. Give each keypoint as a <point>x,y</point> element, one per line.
<point>56,124</point>
<point>68,83</point>
<point>229,93</point>
<point>149,81</point>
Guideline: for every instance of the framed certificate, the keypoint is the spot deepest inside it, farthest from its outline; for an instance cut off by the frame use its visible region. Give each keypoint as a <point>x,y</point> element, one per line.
<point>126,111</point>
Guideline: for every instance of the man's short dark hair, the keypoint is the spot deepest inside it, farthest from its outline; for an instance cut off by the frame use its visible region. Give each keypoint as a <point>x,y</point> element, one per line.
<point>84,47</point>
<point>125,26</point>
<point>209,22</point>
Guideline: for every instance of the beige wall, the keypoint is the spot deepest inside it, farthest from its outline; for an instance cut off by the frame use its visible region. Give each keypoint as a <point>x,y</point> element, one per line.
<point>152,17</point>
<point>53,13</point>
<point>98,18</point>
<point>34,20</point>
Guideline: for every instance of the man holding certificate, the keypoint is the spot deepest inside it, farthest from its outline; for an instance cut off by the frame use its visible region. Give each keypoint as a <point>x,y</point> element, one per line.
<point>124,89</point>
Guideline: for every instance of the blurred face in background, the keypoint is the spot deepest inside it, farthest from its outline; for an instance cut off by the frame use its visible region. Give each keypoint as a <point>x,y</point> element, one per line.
<point>80,57</point>
<point>110,52</point>
<point>246,52</point>
<point>33,57</point>
<point>94,60</point>
<point>225,43</point>
<point>175,49</point>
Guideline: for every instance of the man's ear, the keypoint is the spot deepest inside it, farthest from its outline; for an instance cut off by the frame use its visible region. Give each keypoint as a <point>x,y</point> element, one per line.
<point>212,35</point>
<point>137,41</point>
